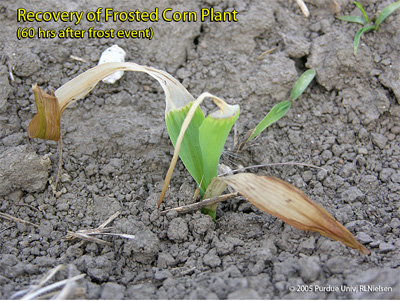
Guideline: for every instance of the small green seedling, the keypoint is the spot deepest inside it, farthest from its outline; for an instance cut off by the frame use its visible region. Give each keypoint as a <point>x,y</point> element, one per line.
<point>364,20</point>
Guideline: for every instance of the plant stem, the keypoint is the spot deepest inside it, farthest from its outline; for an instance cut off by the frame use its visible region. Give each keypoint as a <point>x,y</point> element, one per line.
<point>207,202</point>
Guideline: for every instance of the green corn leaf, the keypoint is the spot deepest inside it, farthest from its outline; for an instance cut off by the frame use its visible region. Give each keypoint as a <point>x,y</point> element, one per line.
<point>276,113</point>
<point>387,11</point>
<point>358,35</point>
<point>362,10</point>
<point>353,19</point>
<point>190,152</point>
<point>213,133</point>
<point>302,83</point>
<point>224,112</point>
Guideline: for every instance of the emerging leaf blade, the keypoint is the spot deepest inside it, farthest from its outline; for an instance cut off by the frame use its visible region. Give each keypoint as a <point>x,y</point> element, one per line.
<point>353,19</point>
<point>291,205</point>
<point>185,125</point>
<point>190,152</point>
<point>358,35</point>
<point>302,83</point>
<point>212,134</point>
<point>387,11</point>
<point>363,11</point>
<point>276,113</point>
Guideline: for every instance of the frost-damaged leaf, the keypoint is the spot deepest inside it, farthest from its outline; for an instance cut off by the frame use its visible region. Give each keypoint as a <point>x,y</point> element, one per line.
<point>176,96</point>
<point>291,205</point>
<point>46,123</point>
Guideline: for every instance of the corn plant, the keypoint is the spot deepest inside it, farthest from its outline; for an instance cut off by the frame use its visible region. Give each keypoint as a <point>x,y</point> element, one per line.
<point>202,145</point>
<point>364,20</point>
<point>199,142</point>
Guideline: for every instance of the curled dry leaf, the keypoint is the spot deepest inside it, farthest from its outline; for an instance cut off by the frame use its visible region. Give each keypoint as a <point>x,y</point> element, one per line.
<point>292,206</point>
<point>46,123</point>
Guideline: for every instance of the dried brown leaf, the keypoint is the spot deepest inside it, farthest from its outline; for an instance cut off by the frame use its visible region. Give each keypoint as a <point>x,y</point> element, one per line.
<point>46,123</point>
<point>292,206</point>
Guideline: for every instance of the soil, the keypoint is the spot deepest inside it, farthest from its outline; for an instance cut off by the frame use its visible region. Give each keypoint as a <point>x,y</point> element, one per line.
<point>116,152</point>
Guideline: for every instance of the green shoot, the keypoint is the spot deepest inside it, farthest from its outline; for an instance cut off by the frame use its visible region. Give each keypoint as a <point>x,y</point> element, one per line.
<point>280,109</point>
<point>387,11</point>
<point>362,10</point>
<point>302,83</point>
<point>358,35</point>
<point>276,113</point>
<point>353,19</point>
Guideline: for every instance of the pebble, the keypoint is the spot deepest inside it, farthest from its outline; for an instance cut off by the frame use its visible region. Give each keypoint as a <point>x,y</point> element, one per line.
<point>202,224</point>
<point>386,247</point>
<point>178,229</point>
<point>385,174</point>
<point>308,246</point>
<point>379,140</point>
<point>162,274</point>
<point>364,238</point>
<point>165,259</point>
<point>211,259</point>
<point>395,178</point>
<point>321,174</point>
<point>307,176</point>
<point>21,168</point>
<point>143,247</point>
<point>336,264</point>
<point>98,275</point>
<point>310,268</point>
<point>326,155</point>
<point>113,291</point>
<point>337,150</point>
<point>44,261</point>
<point>363,151</point>
<point>363,133</point>
<point>223,247</point>
<point>395,130</point>
<point>351,194</point>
